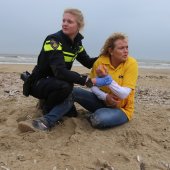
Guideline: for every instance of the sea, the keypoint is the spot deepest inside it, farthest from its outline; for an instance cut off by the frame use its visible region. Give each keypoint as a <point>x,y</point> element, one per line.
<point>32,59</point>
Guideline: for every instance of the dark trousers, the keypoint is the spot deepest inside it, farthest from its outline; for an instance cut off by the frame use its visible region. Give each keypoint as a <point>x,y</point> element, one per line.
<point>52,90</point>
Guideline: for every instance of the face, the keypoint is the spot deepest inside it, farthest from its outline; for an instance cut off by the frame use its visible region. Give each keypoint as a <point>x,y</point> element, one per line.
<point>120,52</point>
<point>70,25</point>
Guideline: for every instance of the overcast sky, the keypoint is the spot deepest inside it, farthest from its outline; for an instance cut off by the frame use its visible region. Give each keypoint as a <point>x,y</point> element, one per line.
<point>25,24</point>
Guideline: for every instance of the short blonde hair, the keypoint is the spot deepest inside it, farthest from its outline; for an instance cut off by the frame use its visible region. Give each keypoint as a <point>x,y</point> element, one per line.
<point>110,42</point>
<point>78,14</point>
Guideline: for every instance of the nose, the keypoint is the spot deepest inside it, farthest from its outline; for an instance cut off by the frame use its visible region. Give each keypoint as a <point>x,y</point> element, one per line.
<point>126,50</point>
<point>64,22</point>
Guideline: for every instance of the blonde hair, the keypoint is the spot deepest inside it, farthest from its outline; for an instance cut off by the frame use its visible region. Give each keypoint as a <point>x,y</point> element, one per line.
<point>78,14</point>
<point>110,42</point>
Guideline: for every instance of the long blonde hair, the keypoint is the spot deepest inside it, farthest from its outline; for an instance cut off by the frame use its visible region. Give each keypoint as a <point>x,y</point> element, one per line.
<point>110,42</point>
<point>78,14</point>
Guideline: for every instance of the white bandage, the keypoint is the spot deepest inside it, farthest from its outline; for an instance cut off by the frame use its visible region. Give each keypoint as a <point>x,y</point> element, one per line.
<point>120,92</point>
<point>99,93</point>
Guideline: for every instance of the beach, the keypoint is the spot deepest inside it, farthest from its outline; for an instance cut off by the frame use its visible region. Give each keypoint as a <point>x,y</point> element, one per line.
<point>141,144</point>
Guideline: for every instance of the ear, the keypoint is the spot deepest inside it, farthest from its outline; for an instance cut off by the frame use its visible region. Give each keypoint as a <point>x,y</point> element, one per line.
<point>110,50</point>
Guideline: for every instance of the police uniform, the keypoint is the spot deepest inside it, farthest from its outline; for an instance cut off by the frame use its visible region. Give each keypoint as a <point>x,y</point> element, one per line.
<point>53,78</point>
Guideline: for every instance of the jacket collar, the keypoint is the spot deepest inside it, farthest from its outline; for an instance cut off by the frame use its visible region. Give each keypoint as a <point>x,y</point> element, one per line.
<point>78,37</point>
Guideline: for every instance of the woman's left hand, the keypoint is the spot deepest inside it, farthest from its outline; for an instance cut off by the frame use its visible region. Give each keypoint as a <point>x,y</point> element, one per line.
<point>112,100</point>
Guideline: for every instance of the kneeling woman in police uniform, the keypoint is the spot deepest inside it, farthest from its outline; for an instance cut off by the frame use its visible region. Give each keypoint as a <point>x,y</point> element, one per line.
<point>52,78</point>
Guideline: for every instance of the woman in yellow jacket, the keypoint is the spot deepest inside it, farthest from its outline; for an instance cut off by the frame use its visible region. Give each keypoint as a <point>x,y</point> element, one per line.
<point>111,105</point>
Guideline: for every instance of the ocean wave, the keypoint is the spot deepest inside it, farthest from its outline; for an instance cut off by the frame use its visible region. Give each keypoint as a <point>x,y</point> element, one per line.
<point>15,59</point>
<point>154,64</point>
<point>32,59</point>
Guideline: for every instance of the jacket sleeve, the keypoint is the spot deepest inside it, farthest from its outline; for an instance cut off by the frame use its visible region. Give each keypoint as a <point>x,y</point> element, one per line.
<point>57,64</point>
<point>84,58</point>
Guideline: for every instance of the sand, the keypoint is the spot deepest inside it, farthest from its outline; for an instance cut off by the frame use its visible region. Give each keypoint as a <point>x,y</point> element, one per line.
<point>141,144</point>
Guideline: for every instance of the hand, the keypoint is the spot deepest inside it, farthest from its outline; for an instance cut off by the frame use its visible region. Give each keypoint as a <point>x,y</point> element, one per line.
<point>102,71</point>
<point>112,100</point>
<point>102,81</point>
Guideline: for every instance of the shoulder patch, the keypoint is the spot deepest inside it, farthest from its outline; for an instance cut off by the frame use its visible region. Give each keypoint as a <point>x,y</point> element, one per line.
<point>54,44</point>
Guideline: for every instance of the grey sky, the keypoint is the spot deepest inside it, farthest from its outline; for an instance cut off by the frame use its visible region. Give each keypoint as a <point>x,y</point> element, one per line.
<point>25,24</point>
